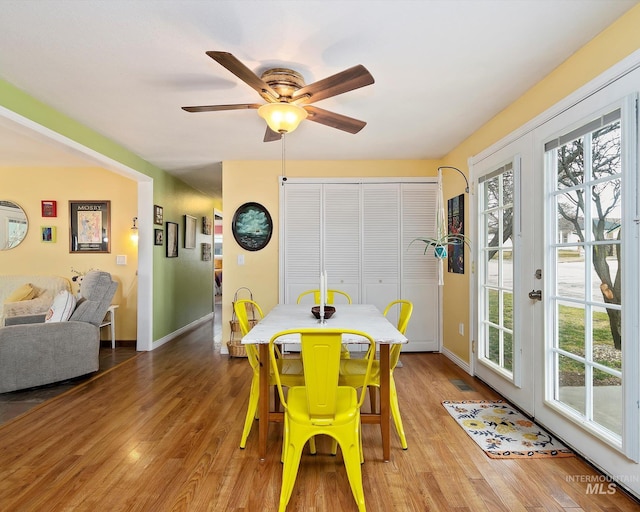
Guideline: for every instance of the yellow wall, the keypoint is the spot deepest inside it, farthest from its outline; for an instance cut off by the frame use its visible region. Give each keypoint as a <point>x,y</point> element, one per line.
<point>258,181</point>
<point>612,45</point>
<point>28,186</point>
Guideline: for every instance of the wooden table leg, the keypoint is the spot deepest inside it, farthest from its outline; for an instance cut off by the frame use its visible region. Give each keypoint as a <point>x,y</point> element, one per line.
<point>263,402</point>
<point>385,401</point>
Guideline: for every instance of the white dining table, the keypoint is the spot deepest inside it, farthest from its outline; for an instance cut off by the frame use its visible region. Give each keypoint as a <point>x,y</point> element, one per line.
<point>360,317</point>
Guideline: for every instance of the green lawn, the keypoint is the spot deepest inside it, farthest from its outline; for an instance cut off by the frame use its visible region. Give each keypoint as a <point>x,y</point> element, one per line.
<point>571,334</point>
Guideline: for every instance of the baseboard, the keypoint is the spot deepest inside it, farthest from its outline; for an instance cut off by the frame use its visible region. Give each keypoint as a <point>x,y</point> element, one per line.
<point>119,343</point>
<point>182,330</point>
<point>459,362</point>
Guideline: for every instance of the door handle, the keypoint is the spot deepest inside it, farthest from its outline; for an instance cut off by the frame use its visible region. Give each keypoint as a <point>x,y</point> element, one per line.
<point>535,294</point>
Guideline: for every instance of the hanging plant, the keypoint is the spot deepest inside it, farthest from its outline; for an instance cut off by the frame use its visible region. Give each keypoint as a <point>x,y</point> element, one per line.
<point>440,244</point>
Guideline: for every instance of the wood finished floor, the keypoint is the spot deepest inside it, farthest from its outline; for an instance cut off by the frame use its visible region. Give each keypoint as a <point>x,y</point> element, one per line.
<point>161,431</point>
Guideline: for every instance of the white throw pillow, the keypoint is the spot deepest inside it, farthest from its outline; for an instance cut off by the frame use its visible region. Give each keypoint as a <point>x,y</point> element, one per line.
<point>62,307</point>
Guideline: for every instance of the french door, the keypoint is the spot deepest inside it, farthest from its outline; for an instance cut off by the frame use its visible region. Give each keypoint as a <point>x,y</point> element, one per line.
<point>590,379</point>
<point>557,246</point>
<point>505,334</point>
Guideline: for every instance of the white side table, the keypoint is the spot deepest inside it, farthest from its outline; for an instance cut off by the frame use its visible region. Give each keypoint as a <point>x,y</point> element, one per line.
<point>110,320</point>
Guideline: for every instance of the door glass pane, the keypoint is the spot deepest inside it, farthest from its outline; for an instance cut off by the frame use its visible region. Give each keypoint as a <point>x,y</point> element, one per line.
<point>497,262</point>
<point>570,271</point>
<point>604,350</point>
<point>607,395</point>
<point>571,333</point>
<point>586,256</point>
<point>607,257</point>
<point>571,378</point>
<point>493,304</point>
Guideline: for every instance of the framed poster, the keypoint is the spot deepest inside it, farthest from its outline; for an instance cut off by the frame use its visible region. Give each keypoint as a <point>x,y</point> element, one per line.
<point>189,232</point>
<point>252,226</point>
<point>158,214</point>
<point>90,226</point>
<point>172,240</point>
<point>158,237</point>
<point>49,208</point>
<point>455,223</point>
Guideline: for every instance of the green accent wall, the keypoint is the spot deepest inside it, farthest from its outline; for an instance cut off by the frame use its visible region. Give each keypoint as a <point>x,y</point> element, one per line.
<point>183,286</point>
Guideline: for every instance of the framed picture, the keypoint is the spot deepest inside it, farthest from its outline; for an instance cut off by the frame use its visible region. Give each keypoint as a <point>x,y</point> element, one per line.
<point>189,232</point>
<point>206,225</point>
<point>90,226</point>
<point>158,214</point>
<point>172,240</point>
<point>252,226</point>
<point>158,236</point>
<point>455,222</point>
<point>48,234</point>
<point>206,252</point>
<point>49,208</point>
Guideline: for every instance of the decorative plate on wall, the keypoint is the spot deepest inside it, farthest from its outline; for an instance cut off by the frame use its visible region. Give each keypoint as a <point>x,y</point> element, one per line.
<point>252,226</point>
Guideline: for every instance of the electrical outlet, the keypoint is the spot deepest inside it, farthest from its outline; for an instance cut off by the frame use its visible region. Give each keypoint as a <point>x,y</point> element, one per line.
<point>461,329</point>
<point>240,259</point>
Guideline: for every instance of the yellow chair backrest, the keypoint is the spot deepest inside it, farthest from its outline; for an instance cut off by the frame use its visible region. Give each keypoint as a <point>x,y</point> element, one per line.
<point>330,296</point>
<point>406,309</point>
<point>320,350</point>
<point>242,308</point>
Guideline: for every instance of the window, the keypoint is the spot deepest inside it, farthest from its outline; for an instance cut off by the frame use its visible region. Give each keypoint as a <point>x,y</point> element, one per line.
<point>496,257</point>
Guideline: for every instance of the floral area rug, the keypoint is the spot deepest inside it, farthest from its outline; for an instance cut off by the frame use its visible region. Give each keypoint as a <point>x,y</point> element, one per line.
<point>502,432</point>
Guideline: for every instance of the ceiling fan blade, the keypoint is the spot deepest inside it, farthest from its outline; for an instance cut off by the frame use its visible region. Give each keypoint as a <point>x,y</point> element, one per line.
<point>345,81</point>
<point>228,61</point>
<point>214,108</point>
<point>271,136</point>
<point>344,123</point>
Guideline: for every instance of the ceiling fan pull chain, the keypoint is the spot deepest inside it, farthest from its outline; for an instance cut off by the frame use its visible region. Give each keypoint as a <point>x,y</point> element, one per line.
<point>284,173</point>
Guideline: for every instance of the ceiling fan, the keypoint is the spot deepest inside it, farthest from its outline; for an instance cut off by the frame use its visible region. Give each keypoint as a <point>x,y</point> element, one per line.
<point>289,98</point>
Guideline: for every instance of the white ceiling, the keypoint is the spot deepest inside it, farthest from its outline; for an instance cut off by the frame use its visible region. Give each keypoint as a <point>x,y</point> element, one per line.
<point>124,68</point>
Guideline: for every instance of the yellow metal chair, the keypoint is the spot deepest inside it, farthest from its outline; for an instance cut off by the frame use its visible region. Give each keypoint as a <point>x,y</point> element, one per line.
<point>321,406</point>
<point>352,371</point>
<point>331,294</point>
<point>290,369</point>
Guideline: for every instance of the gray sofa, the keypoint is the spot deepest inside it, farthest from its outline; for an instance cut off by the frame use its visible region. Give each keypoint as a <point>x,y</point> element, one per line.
<point>34,353</point>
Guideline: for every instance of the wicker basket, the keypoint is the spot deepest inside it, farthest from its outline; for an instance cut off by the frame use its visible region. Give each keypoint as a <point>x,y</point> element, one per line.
<point>236,348</point>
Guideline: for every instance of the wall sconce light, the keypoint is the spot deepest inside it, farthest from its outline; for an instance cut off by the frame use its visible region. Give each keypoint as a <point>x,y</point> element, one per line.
<point>134,231</point>
<point>282,117</point>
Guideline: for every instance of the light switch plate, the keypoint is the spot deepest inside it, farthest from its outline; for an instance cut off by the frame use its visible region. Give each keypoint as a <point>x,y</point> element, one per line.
<point>121,259</point>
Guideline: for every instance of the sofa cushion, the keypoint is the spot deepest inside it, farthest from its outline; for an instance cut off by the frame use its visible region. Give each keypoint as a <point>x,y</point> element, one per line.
<point>62,307</point>
<point>24,292</point>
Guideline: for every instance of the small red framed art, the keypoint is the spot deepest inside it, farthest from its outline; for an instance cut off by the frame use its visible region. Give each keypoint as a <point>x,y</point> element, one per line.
<point>49,208</point>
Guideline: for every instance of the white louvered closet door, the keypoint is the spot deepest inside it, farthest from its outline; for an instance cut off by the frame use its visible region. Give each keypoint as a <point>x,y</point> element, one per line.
<point>301,239</point>
<point>360,234</point>
<point>342,233</point>
<point>381,239</point>
<point>419,271</point>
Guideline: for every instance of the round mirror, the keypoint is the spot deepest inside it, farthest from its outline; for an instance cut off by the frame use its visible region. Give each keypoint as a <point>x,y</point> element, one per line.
<point>13,225</point>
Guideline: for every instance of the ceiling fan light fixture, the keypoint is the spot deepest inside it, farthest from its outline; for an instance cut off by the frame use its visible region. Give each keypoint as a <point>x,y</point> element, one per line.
<point>282,117</point>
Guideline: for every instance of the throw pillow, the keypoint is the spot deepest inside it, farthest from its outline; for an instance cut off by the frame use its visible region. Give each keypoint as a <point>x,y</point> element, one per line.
<point>62,307</point>
<point>24,292</point>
